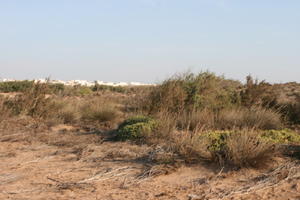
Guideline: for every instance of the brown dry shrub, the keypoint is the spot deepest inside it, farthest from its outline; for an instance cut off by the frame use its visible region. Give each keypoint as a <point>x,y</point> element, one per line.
<point>259,93</point>
<point>203,119</point>
<point>246,148</point>
<point>188,91</point>
<point>99,111</point>
<point>33,102</point>
<point>255,117</point>
<point>68,111</point>
<point>5,112</point>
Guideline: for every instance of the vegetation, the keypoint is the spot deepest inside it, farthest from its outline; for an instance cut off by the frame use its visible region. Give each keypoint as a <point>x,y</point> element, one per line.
<point>15,86</point>
<point>192,116</point>
<point>136,128</point>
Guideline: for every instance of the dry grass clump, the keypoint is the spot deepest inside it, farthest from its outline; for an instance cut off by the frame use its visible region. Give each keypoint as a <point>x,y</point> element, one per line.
<point>94,111</point>
<point>239,148</point>
<point>36,102</point>
<point>257,117</point>
<point>204,119</point>
<point>68,111</point>
<point>226,119</point>
<point>99,111</point>
<point>247,148</point>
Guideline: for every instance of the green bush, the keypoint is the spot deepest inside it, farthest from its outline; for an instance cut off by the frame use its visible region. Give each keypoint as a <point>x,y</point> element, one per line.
<point>136,128</point>
<point>284,136</point>
<point>217,139</point>
<point>16,86</point>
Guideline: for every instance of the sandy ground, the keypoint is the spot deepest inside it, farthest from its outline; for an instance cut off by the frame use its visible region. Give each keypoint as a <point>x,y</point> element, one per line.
<point>71,164</point>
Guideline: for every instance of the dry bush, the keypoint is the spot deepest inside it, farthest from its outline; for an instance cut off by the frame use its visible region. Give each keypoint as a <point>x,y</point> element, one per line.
<point>291,109</point>
<point>186,92</point>
<point>99,111</point>
<point>257,93</point>
<point>33,102</point>
<point>165,128</point>
<point>196,120</point>
<point>257,117</point>
<point>168,97</point>
<point>240,148</point>
<point>68,111</point>
<point>246,148</point>
<point>190,147</point>
<point>137,101</point>
<point>5,112</point>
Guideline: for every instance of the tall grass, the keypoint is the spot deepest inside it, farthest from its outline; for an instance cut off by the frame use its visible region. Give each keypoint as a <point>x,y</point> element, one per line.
<point>254,117</point>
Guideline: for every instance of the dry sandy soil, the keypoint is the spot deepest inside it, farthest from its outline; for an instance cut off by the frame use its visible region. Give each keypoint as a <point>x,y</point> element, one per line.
<point>65,163</point>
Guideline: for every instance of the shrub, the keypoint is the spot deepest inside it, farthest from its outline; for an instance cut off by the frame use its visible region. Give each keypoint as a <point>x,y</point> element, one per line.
<point>246,148</point>
<point>258,94</point>
<point>97,87</point>
<point>76,90</point>
<point>292,109</point>
<point>136,128</point>
<point>196,120</point>
<point>99,112</point>
<point>5,112</point>
<point>68,111</point>
<point>57,88</point>
<point>238,147</point>
<point>254,117</point>
<point>33,102</point>
<point>16,86</point>
<point>83,90</point>
<point>284,136</point>
<point>189,91</point>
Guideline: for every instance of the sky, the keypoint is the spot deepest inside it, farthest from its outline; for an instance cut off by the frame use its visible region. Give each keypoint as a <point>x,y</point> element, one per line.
<point>149,40</point>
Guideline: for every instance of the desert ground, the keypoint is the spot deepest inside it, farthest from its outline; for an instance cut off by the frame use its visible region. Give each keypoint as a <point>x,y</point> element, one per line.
<point>66,163</point>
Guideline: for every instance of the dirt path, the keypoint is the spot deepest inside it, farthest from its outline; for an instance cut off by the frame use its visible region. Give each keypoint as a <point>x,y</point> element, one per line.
<point>71,165</point>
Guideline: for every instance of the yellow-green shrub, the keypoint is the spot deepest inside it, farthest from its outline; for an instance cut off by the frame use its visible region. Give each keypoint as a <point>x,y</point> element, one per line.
<point>136,128</point>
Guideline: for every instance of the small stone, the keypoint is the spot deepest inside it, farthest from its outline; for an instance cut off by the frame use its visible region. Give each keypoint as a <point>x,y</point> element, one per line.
<point>194,197</point>
<point>296,187</point>
<point>160,194</point>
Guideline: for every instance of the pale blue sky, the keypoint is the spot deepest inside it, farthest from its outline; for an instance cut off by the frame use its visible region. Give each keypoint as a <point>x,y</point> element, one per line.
<point>148,40</point>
